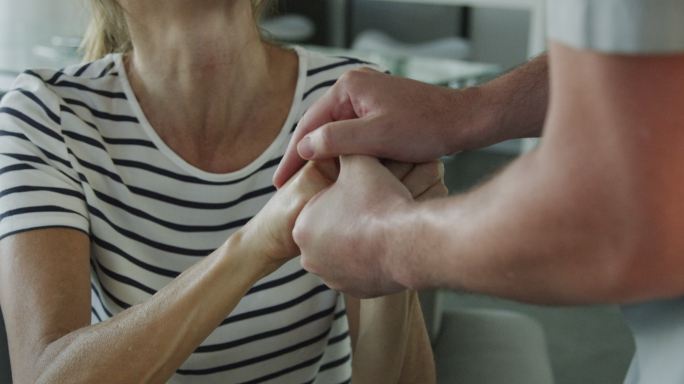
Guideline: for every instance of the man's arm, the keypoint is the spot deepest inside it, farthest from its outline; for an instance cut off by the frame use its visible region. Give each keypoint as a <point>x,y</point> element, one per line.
<point>595,214</point>
<point>371,113</point>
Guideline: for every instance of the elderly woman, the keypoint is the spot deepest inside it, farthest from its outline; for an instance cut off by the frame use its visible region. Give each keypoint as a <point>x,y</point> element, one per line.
<point>142,240</point>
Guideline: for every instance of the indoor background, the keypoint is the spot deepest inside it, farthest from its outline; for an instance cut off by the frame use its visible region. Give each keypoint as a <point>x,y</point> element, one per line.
<point>448,42</point>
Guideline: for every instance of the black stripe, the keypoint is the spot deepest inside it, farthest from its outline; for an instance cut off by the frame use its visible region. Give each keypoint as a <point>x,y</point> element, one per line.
<point>285,371</point>
<point>338,338</point>
<point>67,109</point>
<point>264,335</point>
<point>334,363</point>
<point>99,298</point>
<point>82,69</point>
<point>29,188</point>
<point>23,157</point>
<point>28,229</point>
<point>138,142</point>
<point>100,170</point>
<point>54,77</point>
<point>118,251</point>
<point>18,135</point>
<point>81,87</point>
<point>23,117</point>
<point>53,116</point>
<point>120,303</point>
<point>106,70</point>
<point>347,61</point>
<point>84,139</point>
<point>97,316</point>
<point>348,381</point>
<point>257,359</point>
<point>276,308</point>
<point>113,141</point>
<point>37,209</point>
<point>277,282</point>
<point>324,84</point>
<point>16,167</point>
<point>341,313</point>
<point>100,114</point>
<point>31,73</point>
<point>38,160</point>
<point>125,279</point>
<point>191,179</point>
<point>144,240</point>
<point>198,205</point>
<point>167,224</point>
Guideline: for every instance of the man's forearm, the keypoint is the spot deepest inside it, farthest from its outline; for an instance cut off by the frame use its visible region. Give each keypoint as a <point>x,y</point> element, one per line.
<point>511,106</point>
<point>534,241</point>
<point>593,215</point>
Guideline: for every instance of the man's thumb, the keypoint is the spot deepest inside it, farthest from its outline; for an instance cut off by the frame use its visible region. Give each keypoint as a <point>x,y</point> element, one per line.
<point>344,137</point>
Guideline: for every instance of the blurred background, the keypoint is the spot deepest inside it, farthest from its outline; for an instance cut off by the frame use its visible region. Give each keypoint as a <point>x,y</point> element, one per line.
<point>453,43</point>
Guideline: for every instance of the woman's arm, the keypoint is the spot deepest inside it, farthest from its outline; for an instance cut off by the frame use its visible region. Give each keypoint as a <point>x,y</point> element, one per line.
<point>44,290</point>
<point>390,341</point>
<point>388,334</point>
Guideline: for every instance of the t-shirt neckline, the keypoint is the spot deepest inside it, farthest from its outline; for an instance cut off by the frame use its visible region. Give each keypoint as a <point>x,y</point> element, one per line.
<point>265,156</point>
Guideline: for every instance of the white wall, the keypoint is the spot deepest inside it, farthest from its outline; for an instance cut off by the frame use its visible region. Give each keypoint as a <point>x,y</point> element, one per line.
<point>500,36</point>
<point>27,23</point>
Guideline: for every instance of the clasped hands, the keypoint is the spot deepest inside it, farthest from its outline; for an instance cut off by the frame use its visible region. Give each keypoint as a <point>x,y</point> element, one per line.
<point>336,215</point>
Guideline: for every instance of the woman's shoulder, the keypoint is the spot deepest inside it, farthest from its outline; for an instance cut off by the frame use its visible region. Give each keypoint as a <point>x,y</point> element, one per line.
<point>321,64</point>
<point>49,87</point>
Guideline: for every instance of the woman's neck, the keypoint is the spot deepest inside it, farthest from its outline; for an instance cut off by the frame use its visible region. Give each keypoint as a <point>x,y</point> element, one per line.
<point>206,80</point>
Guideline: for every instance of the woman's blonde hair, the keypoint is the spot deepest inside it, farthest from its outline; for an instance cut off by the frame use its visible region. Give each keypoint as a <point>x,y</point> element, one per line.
<point>108,31</point>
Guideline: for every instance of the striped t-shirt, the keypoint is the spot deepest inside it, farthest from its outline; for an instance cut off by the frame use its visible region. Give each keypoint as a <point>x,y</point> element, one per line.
<point>76,151</point>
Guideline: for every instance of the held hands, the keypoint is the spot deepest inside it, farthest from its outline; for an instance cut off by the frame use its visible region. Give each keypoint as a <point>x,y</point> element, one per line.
<point>345,233</point>
<point>269,233</point>
<point>370,113</point>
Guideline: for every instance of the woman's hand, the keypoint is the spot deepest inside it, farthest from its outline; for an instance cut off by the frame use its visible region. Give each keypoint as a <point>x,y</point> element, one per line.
<point>269,233</point>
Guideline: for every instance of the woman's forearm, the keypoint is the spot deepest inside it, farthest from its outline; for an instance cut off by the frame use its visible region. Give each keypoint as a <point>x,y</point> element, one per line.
<point>148,342</point>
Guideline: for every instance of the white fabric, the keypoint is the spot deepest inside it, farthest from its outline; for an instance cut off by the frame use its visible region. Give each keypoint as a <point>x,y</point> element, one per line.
<point>618,26</point>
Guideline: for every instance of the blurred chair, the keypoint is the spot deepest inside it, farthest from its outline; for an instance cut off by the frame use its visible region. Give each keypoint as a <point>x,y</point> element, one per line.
<point>484,346</point>
<point>5,373</point>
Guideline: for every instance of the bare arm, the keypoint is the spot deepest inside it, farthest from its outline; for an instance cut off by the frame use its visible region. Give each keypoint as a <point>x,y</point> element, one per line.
<point>374,114</point>
<point>388,334</point>
<point>45,293</point>
<point>390,341</point>
<point>594,215</point>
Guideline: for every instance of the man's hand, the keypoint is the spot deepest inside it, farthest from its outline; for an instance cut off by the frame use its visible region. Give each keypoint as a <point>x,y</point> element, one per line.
<point>342,233</point>
<point>370,113</point>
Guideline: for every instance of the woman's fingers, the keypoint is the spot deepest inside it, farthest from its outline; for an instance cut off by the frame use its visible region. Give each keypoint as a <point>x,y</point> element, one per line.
<point>398,168</point>
<point>423,177</point>
<point>437,191</point>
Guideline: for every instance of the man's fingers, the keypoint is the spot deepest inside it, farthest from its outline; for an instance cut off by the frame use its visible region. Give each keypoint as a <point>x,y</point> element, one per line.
<point>358,136</point>
<point>334,105</point>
